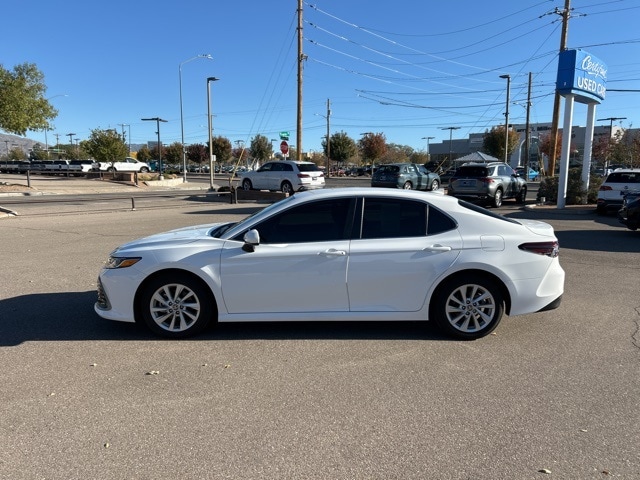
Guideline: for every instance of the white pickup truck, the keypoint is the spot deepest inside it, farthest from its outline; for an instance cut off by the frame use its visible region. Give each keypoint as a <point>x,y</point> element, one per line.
<point>129,164</point>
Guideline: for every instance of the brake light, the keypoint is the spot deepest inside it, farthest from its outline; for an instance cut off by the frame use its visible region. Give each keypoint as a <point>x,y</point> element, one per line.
<point>550,249</point>
<point>605,188</point>
<point>304,175</point>
<point>487,180</point>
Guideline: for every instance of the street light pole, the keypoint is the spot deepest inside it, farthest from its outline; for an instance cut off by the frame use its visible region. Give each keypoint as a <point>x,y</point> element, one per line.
<point>70,135</point>
<point>506,120</point>
<point>184,154</point>
<point>211,165</point>
<point>158,120</point>
<point>427,139</point>
<point>451,129</point>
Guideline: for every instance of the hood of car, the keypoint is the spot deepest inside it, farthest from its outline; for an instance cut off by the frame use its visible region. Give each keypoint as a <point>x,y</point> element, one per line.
<point>172,238</point>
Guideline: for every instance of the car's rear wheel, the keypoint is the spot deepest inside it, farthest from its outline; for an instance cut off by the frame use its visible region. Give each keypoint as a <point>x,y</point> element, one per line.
<point>176,305</point>
<point>286,188</point>
<point>522,196</point>
<point>435,185</point>
<point>497,199</point>
<point>407,186</point>
<point>467,309</point>
<point>111,169</point>
<point>246,184</point>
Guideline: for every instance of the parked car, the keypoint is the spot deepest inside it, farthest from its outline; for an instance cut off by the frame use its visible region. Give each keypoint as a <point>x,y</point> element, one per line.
<point>614,187</point>
<point>409,176</point>
<point>447,175</point>
<point>629,214</point>
<point>340,254</point>
<point>80,167</point>
<point>533,174</point>
<point>129,164</point>
<point>287,176</point>
<point>489,182</point>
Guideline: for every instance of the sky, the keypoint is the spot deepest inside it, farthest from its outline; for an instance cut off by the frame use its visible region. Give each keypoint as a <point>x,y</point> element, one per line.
<point>408,69</point>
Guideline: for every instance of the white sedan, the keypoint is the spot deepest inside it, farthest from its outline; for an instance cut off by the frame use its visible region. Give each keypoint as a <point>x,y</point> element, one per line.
<point>339,254</point>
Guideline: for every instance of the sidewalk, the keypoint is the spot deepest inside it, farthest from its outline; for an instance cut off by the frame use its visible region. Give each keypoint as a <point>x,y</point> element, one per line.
<point>15,185</point>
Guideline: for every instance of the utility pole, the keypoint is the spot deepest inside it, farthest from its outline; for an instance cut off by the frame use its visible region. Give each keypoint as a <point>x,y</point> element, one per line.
<point>301,59</point>
<point>527,143</point>
<point>328,137</point>
<point>556,102</point>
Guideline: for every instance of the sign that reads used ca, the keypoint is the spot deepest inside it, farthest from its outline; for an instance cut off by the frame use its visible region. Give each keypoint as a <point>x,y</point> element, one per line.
<point>583,75</point>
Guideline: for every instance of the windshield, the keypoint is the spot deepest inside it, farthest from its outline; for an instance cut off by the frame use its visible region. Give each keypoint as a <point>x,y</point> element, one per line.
<point>238,227</point>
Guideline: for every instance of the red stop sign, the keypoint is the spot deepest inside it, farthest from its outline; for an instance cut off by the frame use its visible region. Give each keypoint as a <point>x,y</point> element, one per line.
<point>284,147</point>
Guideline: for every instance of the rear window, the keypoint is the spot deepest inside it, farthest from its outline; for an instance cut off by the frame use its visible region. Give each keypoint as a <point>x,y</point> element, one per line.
<point>388,169</point>
<point>623,177</point>
<point>475,172</point>
<point>308,167</point>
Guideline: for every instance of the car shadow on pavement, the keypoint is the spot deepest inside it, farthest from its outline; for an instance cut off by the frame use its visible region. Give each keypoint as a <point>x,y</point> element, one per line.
<point>70,316</point>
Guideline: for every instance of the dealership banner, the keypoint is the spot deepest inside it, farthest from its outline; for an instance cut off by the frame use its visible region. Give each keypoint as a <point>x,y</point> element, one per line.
<point>583,75</point>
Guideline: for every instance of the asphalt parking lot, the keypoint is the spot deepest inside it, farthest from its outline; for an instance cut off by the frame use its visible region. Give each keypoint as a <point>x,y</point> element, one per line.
<point>549,395</point>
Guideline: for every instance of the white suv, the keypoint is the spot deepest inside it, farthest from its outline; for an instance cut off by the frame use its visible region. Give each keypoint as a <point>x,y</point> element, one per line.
<point>287,176</point>
<point>129,164</point>
<point>617,184</point>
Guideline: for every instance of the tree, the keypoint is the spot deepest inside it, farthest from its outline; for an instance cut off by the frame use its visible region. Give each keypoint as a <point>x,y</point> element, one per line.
<point>144,154</point>
<point>173,154</point>
<point>546,143</point>
<point>397,153</point>
<point>221,147</point>
<point>197,153</point>
<point>106,146</point>
<point>261,148</point>
<point>22,103</point>
<point>342,147</point>
<point>372,146</point>
<point>493,142</point>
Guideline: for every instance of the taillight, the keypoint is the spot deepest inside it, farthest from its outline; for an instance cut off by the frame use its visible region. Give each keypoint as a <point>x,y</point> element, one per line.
<point>304,175</point>
<point>605,187</point>
<point>550,249</point>
<point>487,180</point>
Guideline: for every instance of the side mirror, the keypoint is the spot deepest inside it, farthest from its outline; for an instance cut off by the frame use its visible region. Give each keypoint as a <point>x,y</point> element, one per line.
<point>251,239</point>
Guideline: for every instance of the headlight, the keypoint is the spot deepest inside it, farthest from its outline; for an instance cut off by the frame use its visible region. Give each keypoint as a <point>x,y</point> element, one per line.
<point>121,262</point>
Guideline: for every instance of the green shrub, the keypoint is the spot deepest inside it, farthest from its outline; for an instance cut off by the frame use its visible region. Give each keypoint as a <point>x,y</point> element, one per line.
<point>575,193</point>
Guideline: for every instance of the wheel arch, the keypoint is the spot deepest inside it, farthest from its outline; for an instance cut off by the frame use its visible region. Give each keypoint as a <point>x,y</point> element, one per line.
<point>172,272</point>
<point>472,274</point>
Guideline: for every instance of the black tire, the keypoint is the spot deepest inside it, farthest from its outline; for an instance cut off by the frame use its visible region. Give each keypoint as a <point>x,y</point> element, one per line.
<point>144,170</point>
<point>246,184</point>
<point>407,186</point>
<point>467,309</point>
<point>497,199</point>
<point>111,169</point>
<point>176,305</point>
<point>286,188</point>
<point>435,185</point>
<point>522,196</point>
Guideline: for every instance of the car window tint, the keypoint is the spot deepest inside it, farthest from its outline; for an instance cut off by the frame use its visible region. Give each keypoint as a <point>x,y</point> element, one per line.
<point>276,167</point>
<point>393,218</point>
<point>287,168</point>
<point>438,221</point>
<point>308,167</point>
<point>266,167</point>
<point>472,172</point>
<point>312,222</point>
<point>623,177</point>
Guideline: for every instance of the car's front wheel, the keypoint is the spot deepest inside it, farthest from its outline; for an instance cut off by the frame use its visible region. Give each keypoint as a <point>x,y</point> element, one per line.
<point>497,199</point>
<point>176,305</point>
<point>144,170</point>
<point>467,309</point>
<point>246,184</point>
<point>435,185</point>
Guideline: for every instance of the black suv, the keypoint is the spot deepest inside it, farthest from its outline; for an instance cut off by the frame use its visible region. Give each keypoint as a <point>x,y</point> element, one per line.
<point>488,183</point>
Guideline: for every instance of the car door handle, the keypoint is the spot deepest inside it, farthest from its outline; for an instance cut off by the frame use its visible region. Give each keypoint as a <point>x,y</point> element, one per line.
<point>437,248</point>
<point>332,252</point>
